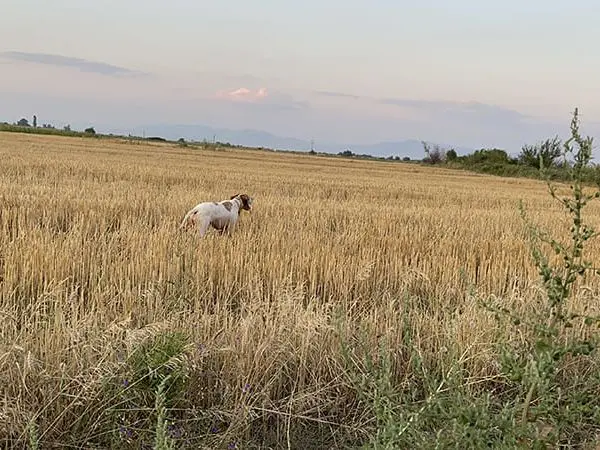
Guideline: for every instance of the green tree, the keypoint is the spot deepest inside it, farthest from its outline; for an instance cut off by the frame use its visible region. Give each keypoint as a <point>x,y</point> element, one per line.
<point>451,155</point>
<point>542,154</point>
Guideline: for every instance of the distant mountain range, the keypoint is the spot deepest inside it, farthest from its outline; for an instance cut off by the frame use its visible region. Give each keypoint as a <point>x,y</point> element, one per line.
<point>254,138</point>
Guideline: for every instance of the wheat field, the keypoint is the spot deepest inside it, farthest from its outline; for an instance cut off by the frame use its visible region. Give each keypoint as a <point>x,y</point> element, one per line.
<point>336,253</point>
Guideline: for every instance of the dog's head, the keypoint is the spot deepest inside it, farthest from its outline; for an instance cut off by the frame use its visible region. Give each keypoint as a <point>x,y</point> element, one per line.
<point>246,201</point>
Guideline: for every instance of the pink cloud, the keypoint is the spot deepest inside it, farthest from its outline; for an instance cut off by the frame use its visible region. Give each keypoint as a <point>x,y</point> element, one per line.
<point>243,94</point>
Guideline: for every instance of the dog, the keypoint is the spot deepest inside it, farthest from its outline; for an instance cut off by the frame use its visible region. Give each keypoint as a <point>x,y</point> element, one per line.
<point>222,216</point>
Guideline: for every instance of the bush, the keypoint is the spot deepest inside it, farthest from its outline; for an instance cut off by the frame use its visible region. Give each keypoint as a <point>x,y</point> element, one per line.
<point>542,154</point>
<point>435,153</point>
<point>451,155</point>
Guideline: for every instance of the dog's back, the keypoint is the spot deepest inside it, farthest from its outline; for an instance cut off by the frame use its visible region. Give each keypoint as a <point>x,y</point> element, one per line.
<point>193,216</point>
<point>221,215</point>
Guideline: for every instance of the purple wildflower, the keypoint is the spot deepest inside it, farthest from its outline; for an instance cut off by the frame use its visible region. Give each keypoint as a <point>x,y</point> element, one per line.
<point>174,432</point>
<point>246,388</point>
<point>232,445</point>
<point>125,432</point>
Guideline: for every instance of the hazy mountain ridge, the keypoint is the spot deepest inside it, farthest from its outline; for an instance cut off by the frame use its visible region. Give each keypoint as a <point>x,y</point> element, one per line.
<point>255,138</point>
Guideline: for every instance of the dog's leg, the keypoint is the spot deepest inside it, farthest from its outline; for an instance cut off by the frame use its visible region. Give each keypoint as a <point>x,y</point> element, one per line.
<point>203,225</point>
<point>230,228</point>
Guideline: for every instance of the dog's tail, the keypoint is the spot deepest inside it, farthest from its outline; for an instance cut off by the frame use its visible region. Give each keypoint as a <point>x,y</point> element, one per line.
<point>187,221</point>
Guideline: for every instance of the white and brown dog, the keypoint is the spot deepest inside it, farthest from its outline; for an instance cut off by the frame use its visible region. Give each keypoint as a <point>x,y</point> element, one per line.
<point>222,215</point>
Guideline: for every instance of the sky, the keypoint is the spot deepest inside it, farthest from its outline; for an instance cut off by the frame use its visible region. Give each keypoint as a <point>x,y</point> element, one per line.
<point>465,73</point>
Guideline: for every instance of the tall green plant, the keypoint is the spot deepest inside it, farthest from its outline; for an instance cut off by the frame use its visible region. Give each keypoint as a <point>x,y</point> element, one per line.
<point>162,440</point>
<point>536,364</point>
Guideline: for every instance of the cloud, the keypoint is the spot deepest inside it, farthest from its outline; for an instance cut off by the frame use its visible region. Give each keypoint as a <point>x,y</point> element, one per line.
<point>243,94</point>
<point>83,65</point>
<point>428,109</point>
<point>337,94</point>
<point>470,109</point>
<point>239,79</point>
<point>467,123</point>
<point>261,98</point>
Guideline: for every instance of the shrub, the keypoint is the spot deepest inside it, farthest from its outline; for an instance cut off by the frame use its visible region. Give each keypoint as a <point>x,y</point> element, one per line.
<point>489,156</point>
<point>435,153</point>
<point>543,154</point>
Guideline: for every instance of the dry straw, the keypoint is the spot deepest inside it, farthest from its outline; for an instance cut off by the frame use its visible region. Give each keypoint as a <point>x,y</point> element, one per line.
<point>91,262</point>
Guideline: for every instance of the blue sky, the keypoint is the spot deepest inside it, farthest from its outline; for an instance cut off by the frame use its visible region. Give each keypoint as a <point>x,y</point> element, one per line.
<point>468,73</point>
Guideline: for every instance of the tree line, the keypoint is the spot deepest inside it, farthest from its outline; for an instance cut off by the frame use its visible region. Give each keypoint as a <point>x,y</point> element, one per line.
<point>545,154</point>
<point>544,157</point>
<point>23,122</point>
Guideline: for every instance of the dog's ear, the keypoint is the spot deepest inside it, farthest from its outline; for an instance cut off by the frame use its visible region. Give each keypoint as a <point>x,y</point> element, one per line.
<point>233,196</point>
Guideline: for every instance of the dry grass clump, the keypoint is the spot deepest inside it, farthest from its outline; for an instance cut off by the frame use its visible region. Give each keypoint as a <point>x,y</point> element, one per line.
<point>337,253</point>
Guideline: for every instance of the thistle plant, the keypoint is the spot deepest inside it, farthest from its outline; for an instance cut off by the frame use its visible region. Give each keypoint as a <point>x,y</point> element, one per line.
<point>535,365</point>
